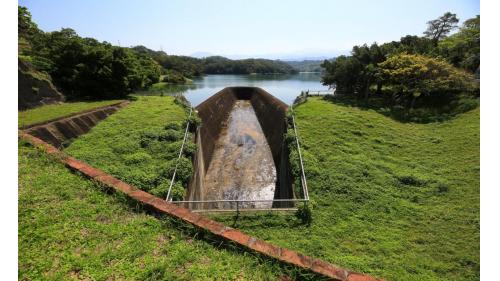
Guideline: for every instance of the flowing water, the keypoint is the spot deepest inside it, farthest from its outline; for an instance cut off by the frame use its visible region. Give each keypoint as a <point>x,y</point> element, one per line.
<point>242,165</point>
<point>285,87</point>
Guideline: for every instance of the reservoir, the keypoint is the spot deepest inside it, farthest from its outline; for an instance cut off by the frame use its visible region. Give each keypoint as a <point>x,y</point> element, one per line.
<point>285,87</point>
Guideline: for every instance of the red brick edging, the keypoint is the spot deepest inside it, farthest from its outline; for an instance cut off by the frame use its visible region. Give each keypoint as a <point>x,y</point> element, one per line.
<point>282,254</point>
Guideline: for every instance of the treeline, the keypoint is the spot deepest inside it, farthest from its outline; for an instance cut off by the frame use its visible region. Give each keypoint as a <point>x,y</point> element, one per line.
<point>84,67</point>
<point>192,67</point>
<point>221,65</point>
<point>307,65</point>
<point>435,70</point>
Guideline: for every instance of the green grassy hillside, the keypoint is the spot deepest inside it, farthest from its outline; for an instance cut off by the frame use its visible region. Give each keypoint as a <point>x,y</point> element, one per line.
<point>71,229</point>
<point>396,200</point>
<point>139,144</point>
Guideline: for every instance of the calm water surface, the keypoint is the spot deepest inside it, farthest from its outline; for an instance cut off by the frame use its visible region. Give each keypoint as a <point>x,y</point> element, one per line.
<point>284,87</point>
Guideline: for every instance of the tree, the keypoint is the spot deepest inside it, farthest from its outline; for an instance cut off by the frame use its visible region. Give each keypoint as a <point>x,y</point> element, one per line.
<point>343,73</point>
<point>356,73</point>
<point>25,26</point>
<point>462,48</point>
<point>440,28</point>
<point>413,77</point>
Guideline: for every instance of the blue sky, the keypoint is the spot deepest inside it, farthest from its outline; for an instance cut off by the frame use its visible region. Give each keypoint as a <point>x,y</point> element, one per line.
<point>258,28</point>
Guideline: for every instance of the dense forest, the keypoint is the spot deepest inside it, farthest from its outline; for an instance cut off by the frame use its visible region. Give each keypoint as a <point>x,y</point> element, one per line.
<point>84,68</point>
<point>191,67</point>
<point>439,70</point>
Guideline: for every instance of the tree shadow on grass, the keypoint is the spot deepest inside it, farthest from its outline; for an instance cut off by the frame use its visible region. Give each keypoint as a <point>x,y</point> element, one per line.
<point>422,114</point>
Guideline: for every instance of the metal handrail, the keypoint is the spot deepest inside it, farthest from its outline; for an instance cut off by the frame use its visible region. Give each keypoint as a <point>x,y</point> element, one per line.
<point>303,175</point>
<point>240,200</point>
<point>180,154</point>
<point>248,210</point>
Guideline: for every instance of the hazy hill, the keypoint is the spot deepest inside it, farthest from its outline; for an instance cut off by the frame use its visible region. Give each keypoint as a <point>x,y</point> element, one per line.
<point>306,65</point>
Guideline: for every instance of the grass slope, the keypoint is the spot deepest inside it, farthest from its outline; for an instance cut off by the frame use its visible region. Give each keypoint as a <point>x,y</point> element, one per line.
<point>396,200</point>
<point>134,145</point>
<point>69,229</point>
<point>52,111</point>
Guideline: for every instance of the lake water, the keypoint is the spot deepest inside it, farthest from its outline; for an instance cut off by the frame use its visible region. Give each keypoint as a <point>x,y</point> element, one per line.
<point>284,87</point>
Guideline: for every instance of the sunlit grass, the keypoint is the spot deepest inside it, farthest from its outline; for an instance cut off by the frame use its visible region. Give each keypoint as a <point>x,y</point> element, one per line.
<point>70,228</point>
<point>139,144</point>
<point>52,111</point>
<point>396,200</point>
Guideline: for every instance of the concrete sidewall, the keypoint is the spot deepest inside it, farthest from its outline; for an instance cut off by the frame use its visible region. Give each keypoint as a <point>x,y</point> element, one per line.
<point>214,114</point>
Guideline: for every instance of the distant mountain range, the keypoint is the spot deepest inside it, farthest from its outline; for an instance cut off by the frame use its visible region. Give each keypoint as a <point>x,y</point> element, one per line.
<point>283,57</point>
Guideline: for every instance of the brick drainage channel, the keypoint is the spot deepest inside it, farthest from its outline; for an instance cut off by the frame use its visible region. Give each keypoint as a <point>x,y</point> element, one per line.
<point>227,233</point>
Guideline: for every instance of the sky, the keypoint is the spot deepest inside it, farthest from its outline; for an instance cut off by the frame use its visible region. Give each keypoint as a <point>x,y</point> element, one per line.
<point>237,29</point>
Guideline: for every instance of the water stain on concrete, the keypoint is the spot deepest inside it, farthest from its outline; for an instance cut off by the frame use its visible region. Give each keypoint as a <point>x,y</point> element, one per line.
<point>242,165</point>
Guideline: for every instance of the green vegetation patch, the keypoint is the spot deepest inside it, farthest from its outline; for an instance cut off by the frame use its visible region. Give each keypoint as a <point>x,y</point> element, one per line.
<point>69,228</point>
<point>53,111</point>
<point>396,200</point>
<point>140,144</point>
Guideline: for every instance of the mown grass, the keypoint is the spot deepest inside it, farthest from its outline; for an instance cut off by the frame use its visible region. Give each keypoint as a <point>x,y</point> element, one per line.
<point>71,229</point>
<point>140,144</point>
<point>397,200</point>
<point>52,111</point>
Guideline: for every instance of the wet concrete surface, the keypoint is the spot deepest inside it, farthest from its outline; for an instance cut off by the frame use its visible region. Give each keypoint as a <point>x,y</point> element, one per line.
<point>242,165</point>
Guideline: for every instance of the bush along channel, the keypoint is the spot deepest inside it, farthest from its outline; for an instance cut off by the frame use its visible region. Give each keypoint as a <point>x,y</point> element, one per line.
<point>304,210</point>
<point>169,141</point>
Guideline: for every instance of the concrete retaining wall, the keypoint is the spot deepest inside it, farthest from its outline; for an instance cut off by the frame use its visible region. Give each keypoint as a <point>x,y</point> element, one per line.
<point>230,234</point>
<point>58,131</point>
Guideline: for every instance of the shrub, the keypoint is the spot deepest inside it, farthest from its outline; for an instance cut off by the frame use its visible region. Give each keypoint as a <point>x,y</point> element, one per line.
<point>147,137</point>
<point>161,189</point>
<point>136,158</point>
<point>157,148</point>
<point>304,214</point>
<point>145,180</point>
<point>178,192</point>
<point>189,149</point>
<point>170,135</point>
<point>414,77</point>
<point>173,126</point>
<point>411,180</point>
<point>194,122</point>
<point>184,170</point>
<point>173,77</point>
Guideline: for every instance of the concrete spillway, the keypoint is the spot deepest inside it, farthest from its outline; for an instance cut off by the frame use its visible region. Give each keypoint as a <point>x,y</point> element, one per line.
<point>241,151</point>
